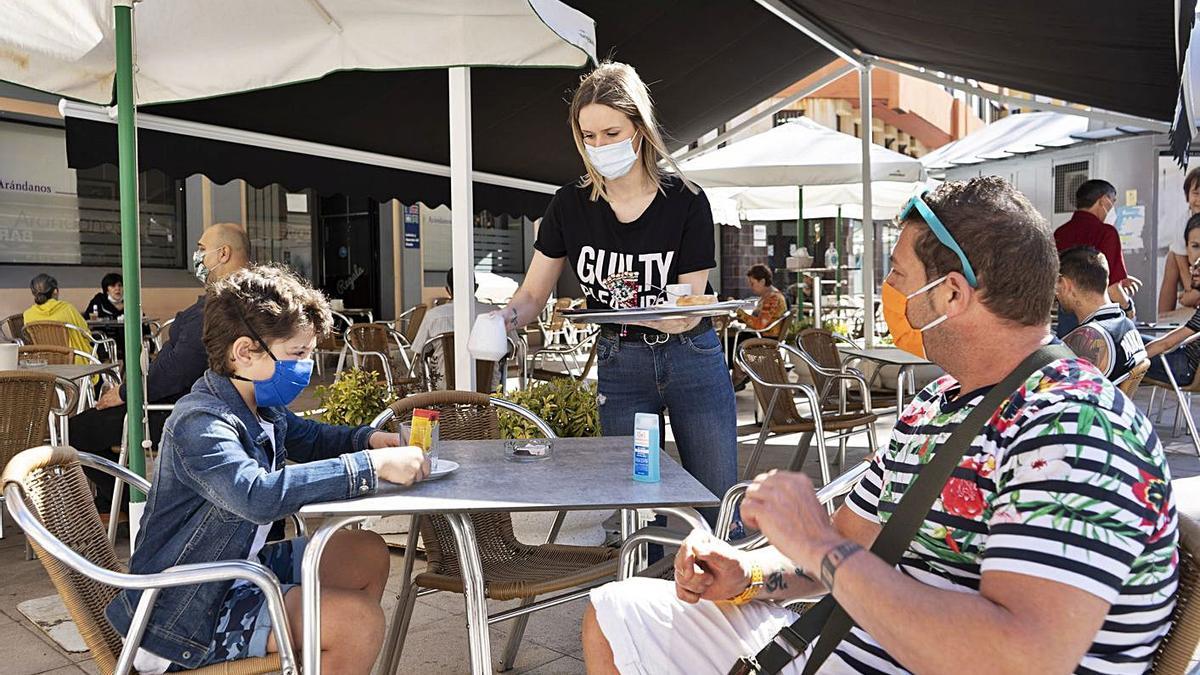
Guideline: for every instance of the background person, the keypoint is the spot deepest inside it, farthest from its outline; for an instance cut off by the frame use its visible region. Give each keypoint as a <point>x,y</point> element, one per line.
<point>440,320</point>
<point>1105,336</point>
<point>772,305</point>
<point>1092,225</point>
<point>223,249</point>
<point>626,230</point>
<point>47,307</point>
<point>1178,276</point>
<point>109,303</point>
<point>1189,262</point>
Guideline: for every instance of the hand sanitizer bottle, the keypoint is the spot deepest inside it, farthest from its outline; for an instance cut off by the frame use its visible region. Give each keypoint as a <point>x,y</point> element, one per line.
<point>646,447</point>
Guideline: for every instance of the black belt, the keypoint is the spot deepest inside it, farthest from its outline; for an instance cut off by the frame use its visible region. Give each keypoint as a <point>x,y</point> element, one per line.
<point>615,331</point>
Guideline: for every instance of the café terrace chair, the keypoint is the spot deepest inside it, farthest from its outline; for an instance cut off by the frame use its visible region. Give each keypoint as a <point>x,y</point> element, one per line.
<point>370,347</point>
<point>48,496</point>
<point>59,333</point>
<point>12,328</point>
<point>581,356</point>
<point>512,570</point>
<point>334,343</point>
<point>820,346</point>
<point>1129,382</point>
<point>760,358</point>
<point>1183,391</point>
<point>66,356</point>
<point>409,322</point>
<point>35,405</point>
<point>1175,652</point>
<point>437,358</point>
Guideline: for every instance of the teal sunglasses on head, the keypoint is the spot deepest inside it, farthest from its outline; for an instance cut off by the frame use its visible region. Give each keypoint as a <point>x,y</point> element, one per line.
<point>939,231</point>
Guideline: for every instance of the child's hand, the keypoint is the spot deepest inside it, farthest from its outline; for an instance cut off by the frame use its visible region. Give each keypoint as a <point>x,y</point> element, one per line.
<point>405,465</point>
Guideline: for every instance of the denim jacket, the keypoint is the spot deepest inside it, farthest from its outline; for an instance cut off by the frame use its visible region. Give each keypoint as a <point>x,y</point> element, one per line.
<point>212,488</point>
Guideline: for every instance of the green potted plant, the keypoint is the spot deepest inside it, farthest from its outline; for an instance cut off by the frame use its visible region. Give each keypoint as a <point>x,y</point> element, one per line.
<point>568,406</point>
<point>355,398</point>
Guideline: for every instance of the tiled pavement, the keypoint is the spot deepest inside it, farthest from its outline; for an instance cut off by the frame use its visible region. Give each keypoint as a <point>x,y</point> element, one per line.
<point>437,642</point>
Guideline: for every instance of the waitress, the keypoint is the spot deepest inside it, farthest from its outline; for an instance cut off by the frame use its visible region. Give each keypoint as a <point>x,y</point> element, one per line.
<point>627,230</point>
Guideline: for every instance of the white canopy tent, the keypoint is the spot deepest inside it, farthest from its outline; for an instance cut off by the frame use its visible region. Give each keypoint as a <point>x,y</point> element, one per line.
<point>1007,137</point>
<point>795,156</point>
<point>731,206</point>
<point>89,49</point>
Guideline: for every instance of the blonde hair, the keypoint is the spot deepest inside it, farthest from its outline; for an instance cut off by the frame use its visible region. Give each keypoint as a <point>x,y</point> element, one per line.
<point>618,86</point>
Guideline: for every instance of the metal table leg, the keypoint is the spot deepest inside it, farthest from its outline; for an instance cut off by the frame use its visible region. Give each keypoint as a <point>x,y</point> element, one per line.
<point>392,646</point>
<point>472,575</point>
<point>900,391</point>
<point>310,589</point>
<point>1184,408</point>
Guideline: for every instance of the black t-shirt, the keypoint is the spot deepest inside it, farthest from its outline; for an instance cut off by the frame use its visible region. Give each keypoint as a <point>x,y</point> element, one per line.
<point>622,265</point>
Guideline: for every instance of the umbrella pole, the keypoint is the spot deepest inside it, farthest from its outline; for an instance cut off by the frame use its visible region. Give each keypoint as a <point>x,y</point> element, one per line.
<point>462,223</point>
<point>799,243</point>
<point>130,253</point>
<point>868,257</point>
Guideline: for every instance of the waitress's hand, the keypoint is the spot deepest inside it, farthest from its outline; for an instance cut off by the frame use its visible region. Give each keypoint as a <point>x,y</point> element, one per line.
<point>672,326</point>
<point>509,314</point>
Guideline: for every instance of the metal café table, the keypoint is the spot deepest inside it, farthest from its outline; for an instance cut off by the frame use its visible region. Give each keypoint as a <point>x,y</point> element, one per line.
<point>74,371</point>
<point>583,474</point>
<point>891,356</point>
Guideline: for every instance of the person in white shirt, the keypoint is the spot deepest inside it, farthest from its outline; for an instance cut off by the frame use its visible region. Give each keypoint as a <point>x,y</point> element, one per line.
<point>440,320</point>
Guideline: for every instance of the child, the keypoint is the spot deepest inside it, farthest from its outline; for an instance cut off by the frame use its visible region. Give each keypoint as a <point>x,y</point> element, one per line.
<point>221,481</point>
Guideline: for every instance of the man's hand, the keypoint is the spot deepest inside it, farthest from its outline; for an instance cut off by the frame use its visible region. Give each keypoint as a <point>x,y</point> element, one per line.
<point>384,439</point>
<point>707,568</point>
<point>1130,285</point>
<point>784,506</point>
<point>111,398</point>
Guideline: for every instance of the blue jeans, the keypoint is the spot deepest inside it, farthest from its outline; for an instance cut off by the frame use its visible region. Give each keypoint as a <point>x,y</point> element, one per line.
<point>686,376</point>
<point>1181,367</point>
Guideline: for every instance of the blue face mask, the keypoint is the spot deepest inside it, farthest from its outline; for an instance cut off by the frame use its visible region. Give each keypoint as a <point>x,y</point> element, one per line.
<point>289,379</point>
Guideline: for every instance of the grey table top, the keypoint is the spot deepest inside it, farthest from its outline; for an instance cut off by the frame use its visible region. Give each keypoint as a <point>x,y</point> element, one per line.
<point>583,474</point>
<point>74,371</point>
<point>891,356</point>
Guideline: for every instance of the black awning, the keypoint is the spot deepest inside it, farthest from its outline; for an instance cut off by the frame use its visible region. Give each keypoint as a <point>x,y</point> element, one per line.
<point>706,61</point>
<point>92,143</point>
<point>1112,54</point>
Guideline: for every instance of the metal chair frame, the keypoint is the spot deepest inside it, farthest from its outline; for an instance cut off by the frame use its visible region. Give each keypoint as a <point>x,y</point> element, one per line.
<point>357,356</point>
<point>1183,398</point>
<point>587,344</point>
<point>810,396</point>
<point>516,348</point>
<point>150,584</point>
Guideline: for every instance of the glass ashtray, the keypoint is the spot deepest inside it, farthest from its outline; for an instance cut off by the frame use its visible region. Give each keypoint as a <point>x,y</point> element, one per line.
<point>528,449</point>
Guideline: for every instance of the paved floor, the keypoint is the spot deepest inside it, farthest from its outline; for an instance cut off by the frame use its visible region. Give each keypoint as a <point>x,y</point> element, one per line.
<point>437,642</point>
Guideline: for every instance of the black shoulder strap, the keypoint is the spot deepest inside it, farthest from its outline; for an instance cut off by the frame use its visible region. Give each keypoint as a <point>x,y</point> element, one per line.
<point>827,618</point>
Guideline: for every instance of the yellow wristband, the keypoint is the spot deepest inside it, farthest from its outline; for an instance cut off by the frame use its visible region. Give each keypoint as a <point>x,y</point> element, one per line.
<point>752,591</point>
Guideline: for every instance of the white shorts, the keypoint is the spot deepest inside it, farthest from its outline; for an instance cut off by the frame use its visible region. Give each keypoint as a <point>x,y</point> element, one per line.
<point>653,632</point>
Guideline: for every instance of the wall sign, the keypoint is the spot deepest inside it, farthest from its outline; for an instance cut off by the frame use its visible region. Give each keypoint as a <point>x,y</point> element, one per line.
<point>412,226</point>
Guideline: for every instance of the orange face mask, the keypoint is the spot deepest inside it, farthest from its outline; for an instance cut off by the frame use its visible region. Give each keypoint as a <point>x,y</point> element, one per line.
<point>895,314</point>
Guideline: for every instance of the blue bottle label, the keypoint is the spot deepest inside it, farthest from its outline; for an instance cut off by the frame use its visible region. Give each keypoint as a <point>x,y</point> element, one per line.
<point>641,452</point>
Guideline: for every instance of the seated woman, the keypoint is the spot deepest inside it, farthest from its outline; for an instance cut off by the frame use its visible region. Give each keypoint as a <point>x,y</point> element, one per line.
<point>1178,288</point>
<point>222,480</point>
<point>1183,362</point>
<point>109,304</point>
<point>47,307</point>
<point>771,306</point>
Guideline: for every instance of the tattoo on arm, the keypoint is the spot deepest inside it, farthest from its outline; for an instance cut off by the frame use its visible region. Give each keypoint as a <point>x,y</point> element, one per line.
<point>774,582</point>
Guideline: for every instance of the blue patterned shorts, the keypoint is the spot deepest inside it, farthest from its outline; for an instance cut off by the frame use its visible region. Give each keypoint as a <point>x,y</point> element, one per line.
<point>243,621</point>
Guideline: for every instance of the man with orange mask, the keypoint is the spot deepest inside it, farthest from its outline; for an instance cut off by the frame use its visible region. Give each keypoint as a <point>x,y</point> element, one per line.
<point>1050,547</point>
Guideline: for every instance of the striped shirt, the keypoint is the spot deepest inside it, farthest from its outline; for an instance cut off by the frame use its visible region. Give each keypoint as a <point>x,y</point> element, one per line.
<point>1068,482</point>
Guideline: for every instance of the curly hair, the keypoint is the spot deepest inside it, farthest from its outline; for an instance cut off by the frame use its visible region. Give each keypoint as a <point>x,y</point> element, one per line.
<point>268,300</point>
<point>1005,239</point>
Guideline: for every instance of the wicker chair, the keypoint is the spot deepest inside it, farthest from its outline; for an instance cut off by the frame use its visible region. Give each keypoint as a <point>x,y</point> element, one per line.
<point>12,328</point>
<point>1133,379</point>
<point>512,570</point>
<point>334,343</point>
<point>574,369</point>
<point>821,348</point>
<point>762,361</point>
<point>411,319</point>
<point>48,495</point>
<point>442,345</point>
<point>371,348</point>
<point>1174,655</point>
<point>59,333</point>
<point>29,401</point>
<point>65,356</point>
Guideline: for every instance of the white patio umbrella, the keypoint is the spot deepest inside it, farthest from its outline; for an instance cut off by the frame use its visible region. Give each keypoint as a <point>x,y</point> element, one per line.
<point>799,154</point>
<point>87,49</point>
<point>820,201</point>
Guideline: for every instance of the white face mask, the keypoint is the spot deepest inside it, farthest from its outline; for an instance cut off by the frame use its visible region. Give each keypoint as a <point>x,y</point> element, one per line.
<point>1111,217</point>
<point>613,160</point>
<point>201,270</point>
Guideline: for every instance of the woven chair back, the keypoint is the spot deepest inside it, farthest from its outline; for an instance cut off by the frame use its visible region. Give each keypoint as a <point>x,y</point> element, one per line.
<point>28,396</point>
<point>822,348</point>
<point>761,357</point>
<point>53,354</point>
<point>463,416</point>
<point>1174,655</point>
<point>48,333</point>
<point>1131,383</point>
<point>414,322</point>
<point>57,492</point>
